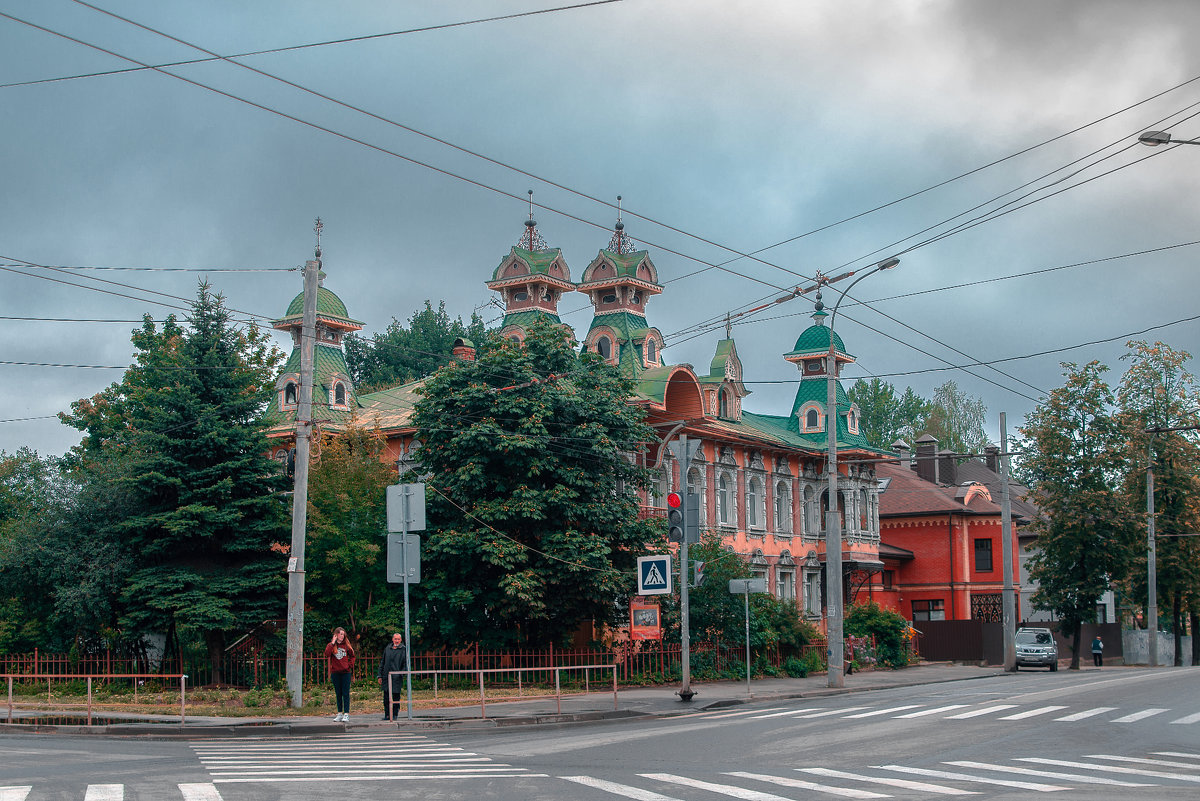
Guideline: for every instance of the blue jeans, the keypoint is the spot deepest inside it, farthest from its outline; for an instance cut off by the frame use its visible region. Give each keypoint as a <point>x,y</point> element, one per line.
<point>341,689</point>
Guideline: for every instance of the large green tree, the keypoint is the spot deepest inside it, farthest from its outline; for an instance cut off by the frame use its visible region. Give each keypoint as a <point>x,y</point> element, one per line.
<point>1073,452</point>
<point>201,504</point>
<point>1158,392</point>
<point>956,419</point>
<point>402,354</point>
<point>530,455</point>
<point>886,416</point>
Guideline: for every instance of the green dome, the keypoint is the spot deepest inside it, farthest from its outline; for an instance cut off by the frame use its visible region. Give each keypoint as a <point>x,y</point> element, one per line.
<point>815,339</point>
<point>328,305</point>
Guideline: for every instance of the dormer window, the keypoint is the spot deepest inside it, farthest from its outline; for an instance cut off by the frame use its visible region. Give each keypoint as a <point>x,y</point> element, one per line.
<point>289,394</point>
<point>604,347</point>
<point>723,404</point>
<point>812,420</point>
<point>339,394</point>
<point>651,352</point>
<point>852,422</point>
<point>609,299</point>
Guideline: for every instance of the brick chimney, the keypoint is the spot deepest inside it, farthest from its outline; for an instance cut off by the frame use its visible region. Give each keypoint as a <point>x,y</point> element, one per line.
<point>901,447</point>
<point>947,472</point>
<point>992,458</point>
<point>926,461</point>
<point>464,349</point>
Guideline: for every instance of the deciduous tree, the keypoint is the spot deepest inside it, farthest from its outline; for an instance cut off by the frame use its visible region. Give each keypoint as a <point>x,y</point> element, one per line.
<point>399,355</point>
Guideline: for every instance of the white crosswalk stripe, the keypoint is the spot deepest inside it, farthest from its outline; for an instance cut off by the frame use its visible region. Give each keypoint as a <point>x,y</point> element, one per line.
<point>1033,713</point>
<point>966,777</point>
<point>731,790</point>
<point>15,793</point>
<point>799,784</point>
<point>876,712</point>
<point>1188,719</point>
<point>937,710</point>
<point>1140,715</point>
<point>1047,774</point>
<point>828,713</point>
<point>1180,754</point>
<point>368,757</point>
<point>987,710</point>
<point>785,713</point>
<point>907,784</point>
<point>623,790</point>
<point>199,792</point>
<point>104,792</point>
<point>1084,715</point>
<point>1067,763</point>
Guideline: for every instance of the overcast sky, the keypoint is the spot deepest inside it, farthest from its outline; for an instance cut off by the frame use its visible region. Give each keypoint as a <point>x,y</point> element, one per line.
<point>728,128</point>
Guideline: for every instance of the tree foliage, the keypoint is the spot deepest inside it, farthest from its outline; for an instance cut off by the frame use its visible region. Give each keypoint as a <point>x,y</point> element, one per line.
<point>399,355</point>
<point>1157,391</point>
<point>886,626</point>
<point>956,420</point>
<point>530,454</point>
<point>886,416</point>
<point>179,449</point>
<point>1074,454</point>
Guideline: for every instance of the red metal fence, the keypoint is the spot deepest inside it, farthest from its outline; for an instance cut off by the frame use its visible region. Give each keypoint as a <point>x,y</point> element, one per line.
<point>643,662</point>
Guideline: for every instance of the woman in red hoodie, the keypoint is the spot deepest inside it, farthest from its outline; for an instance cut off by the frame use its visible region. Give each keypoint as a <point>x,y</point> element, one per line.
<point>340,654</point>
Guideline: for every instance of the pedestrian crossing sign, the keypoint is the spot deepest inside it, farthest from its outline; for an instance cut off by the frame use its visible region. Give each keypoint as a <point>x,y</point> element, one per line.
<point>654,575</point>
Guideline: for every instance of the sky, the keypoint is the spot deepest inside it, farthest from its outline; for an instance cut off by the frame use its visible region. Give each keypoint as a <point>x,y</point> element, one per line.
<point>991,146</point>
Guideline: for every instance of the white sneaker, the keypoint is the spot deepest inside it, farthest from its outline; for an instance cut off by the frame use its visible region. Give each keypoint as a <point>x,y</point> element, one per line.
<point>337,718</point>
<point>345,717</point>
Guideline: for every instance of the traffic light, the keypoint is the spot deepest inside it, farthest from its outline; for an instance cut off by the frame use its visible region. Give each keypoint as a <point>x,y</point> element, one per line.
<point>691,518</point>
<point>698,572</point>
<point>674,517</point>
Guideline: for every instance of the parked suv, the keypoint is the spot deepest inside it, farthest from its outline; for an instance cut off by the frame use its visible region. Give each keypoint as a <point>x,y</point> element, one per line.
<point>1036,647</point>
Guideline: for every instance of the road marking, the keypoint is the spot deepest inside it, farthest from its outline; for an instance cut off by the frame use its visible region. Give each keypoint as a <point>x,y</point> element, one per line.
<point>724,789</point>
<point>1032,713</point>
<point>15,793</point>
<point>716,715</point>
<point>380,778</point>
<point>1100,710</point>
<point>200,792</point>
<point>1189,719</point>
<point>619,789</point>
<point>966,777</point>
<point>785,781</point>
<point>1177,754</point>
<point>828,712</point>
<point>987,710</point>
<point>1158,774</point>
<point>104,792</point>
<point>1048,774</point>
<point>1143,761</point>
<point>785,712</point>
<point>1136,716</point>
<point>875,712</point>
<point>933,711</point>
<point>907,784</point>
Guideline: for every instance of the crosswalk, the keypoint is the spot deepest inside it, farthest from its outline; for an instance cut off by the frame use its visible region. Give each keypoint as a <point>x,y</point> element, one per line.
<point>364,757</point>
<point>116,792</point>
<point>1162,769</point>
<point>1057,713</point>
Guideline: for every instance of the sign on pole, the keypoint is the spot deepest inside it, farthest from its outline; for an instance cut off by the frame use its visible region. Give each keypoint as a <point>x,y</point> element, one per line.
<point>739,586</point>
<point>654,575</point>
<point>405,507</point>
<point>404,556</point>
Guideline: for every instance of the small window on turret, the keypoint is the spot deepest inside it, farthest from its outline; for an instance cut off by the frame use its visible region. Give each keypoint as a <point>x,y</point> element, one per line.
<point>651,352</point>
<point>289,394</point>
<point>521,296</point>
<point>609,299</point>
<point>339,394</point>
<point>604,347</point>
<point>812,420</point>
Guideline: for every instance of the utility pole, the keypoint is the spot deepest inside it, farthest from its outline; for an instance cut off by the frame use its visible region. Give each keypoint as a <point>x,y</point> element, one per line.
<point>295,613</point>
<point>1151,559</point>
<point>684,453</point>
<point>1008,602</point>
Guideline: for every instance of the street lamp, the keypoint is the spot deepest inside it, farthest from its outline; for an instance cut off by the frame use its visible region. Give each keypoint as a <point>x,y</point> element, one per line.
<point>833,530</point>
<point>1155,138</point>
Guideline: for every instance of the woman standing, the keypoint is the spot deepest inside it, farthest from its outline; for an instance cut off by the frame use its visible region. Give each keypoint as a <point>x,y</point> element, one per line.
<point>340,654</point>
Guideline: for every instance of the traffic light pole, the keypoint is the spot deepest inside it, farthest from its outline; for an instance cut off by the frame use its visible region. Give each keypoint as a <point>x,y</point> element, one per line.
<point>684,452</point>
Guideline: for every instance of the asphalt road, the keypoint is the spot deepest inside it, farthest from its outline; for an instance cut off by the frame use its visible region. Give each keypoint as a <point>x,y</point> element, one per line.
<point>1087,735</point>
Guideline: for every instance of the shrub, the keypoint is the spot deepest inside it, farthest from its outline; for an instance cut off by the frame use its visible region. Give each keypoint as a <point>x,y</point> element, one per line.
<point>799,667</point>
<point>886,627</point>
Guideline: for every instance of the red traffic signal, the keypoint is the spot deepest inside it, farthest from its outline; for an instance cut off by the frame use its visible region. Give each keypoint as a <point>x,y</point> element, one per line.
<point>674,500</point>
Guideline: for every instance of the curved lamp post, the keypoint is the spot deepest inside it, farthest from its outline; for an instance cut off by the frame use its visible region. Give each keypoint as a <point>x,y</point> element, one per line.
<point>833,531</point>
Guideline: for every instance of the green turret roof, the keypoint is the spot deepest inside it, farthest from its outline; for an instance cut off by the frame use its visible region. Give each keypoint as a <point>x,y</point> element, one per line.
<point>329,306</point>
<point>814,340</point>
<point>538,261</point>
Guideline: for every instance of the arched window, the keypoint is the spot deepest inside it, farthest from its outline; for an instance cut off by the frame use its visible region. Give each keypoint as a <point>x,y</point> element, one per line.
<point>783,508</point>
<point>651,351</point>
<point>852,422</point>
<point>520,296</point>
<point>753,497</point>
<point>289,394</point>
<point>810,512</point>
<point>339,394</point>
<point>723,500</point>
<point>812,420</point>
<point>604,347</point>
<point>722,403</point>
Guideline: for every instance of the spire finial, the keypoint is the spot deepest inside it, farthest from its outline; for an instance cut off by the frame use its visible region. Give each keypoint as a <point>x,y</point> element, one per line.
<point>728,326</point>
<point>531,239</point>
<point>620,225</point>
<point>620,242</point>
<point>318,227</point>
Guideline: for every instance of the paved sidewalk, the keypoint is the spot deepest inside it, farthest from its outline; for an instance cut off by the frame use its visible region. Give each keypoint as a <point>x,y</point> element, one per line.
<point>661,701</point>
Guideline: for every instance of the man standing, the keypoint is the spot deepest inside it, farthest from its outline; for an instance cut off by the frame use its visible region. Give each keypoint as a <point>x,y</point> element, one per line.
<point>391,676</point>
<point>1098,651</point>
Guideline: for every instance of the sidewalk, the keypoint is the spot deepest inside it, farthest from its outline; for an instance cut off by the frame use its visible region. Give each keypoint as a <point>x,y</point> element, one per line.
<point>649,702</point>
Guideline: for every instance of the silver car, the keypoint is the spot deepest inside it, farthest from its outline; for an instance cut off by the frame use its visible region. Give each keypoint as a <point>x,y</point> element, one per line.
<point>1036,647</point>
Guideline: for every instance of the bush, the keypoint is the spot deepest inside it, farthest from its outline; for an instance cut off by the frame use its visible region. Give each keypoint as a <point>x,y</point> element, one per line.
<point>886,627</point>
<point>799,667</point>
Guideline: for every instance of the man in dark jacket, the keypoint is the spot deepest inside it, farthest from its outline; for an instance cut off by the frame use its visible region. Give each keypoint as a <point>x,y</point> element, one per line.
<point>394,659</point>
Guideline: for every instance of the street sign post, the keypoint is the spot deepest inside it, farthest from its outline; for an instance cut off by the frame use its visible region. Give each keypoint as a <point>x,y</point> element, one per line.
<point>747,586</point>
<point>406,513</point>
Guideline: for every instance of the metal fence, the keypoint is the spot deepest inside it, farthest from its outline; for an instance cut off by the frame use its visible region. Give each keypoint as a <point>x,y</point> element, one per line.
<point>636,663</point>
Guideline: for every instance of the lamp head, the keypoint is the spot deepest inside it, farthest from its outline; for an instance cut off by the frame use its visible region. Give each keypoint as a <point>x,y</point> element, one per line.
<point>888,264</point>
<point>1153,138</point>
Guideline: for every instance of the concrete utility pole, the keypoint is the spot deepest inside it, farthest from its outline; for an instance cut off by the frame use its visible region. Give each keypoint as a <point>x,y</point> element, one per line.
<point>295,615</point>
<point>1151,557</point>
<point>1009,604</point>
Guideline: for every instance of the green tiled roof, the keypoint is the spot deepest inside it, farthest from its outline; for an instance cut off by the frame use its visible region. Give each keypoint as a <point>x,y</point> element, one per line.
<point>817,390</point>
<point>327,363</point>
<point>626,263</point>
<point>630,329</point>
<point>328,305</point>
<point>815,340</point>
<point>527,318</point>
<point>716,369</point>
<point>652,384</point>
<point>538,261</point>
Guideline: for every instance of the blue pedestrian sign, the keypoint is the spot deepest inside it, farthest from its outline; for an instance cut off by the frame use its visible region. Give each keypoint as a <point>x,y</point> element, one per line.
<point>654,575</point>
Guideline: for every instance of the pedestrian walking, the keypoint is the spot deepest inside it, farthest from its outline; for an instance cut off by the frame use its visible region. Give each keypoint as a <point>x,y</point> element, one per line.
<point>391,668</point>
<point>1098,651</point>
<point>340,654</point>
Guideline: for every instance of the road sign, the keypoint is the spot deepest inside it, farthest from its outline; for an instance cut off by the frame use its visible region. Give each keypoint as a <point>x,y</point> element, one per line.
<point>654,575</point>
<point>398,560</point>
<point>405,507</point>
<point>739,586</point>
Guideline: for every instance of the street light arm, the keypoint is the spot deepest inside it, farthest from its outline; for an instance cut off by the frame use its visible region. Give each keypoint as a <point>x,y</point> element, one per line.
<point>886,264</point>
<point>1155,138</point>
